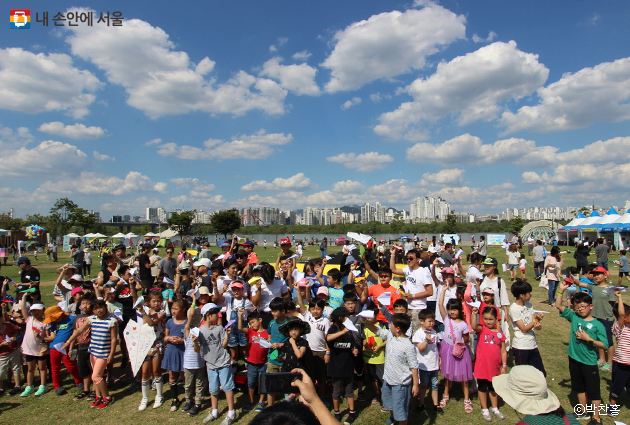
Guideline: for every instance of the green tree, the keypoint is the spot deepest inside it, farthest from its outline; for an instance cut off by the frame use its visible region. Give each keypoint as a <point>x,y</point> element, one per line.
<point>516,224</point>
<point>9,223</point>
<point>61,216</point>
<point>181,222</point>
<point>226,221</point>
<point>82,218</point>
<point>398,224</point>
<point>450,225</point>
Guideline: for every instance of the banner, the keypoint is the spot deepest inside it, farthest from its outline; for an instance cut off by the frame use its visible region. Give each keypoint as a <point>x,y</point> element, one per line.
<point>495,239</point>
<point>447,238</point>
<point>66,243</point>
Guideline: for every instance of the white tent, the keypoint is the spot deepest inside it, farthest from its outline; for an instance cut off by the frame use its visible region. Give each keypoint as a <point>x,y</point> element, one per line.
<point>577,220</point>
<point>609,217</point>
<point>151,235</point>
<point>73,235</point>
<point>119,235</point>
<point>88,235</point>
<point>168,234</point>
<point>131,235</point>
<point>99,235</point>
<point>622,219</point>
<point>592,219</point>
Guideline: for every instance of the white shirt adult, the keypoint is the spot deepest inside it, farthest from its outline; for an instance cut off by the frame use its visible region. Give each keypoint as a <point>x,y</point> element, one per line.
<point>416,282</point>
<point>501,298</point>
<point>277,288</point>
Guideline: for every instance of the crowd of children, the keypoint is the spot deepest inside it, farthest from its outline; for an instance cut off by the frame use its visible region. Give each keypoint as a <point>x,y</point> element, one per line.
<point>351,329</point>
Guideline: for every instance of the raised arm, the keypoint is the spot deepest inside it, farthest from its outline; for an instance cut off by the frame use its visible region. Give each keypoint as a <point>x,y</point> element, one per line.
<point>392,262</point>
<point>621,310</point>
<point>368,269</point>
<point>441,304</point>
<point>560,296</point>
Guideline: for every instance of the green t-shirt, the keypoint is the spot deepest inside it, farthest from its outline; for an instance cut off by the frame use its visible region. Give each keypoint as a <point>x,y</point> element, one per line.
<point>601,303</point>
<point>581,350</point>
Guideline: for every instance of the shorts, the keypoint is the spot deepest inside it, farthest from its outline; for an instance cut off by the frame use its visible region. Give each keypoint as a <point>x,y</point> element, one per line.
<point>396,399</point>
<point>512,266</point>
<point>10,361</point>
<point>584,379</point>
<point>343,384</point>
<point>622,274</point>
<point>221,377</point>
<point>83,363</point>
<point>484,385</point>
<point>274,368</point>
<point>237,338</point>
<point>429,377</point>
<point>253,373</point>
<point>528,357</point>
<point>35,358</point>
<point>375,373</point>
<point>608,324</point>
<point>620,380</point>
<point>522,269</point>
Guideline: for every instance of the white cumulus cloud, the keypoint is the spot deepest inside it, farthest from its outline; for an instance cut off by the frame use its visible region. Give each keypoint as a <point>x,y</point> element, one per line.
<point>298,182</point>
<point>41,82</point>
<point>255,146</point>
<point>350,103</point>
<point>103,157</point>
<point>160,80</point>
<point>299,79</point>
<point>91,183</point>
<point>390,44</point>
<point>365,162</point>
<point>302,56</point>
<point>49,157</point>
<point>447,177</point>
<point>471,87</point>
<point>598,94</point>
<point>76,131</point>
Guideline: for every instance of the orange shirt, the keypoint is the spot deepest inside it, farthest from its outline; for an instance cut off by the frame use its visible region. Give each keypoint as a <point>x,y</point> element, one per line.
<point>375,291</point>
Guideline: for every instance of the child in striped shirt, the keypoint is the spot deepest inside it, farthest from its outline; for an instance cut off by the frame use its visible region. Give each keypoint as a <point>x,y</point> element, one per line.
<point>621,358</point>
<point>104,337</point>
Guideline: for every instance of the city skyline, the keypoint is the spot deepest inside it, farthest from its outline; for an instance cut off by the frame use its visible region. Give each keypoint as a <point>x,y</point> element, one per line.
<point>487,105</point>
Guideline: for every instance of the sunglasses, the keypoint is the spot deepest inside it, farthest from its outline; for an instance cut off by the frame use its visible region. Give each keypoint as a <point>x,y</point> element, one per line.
<point>411,258</point>
<point>240,257</point>
<point>383,275</point>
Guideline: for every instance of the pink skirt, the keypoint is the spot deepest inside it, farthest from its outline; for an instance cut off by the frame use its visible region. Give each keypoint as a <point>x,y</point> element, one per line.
<point>454,369</point>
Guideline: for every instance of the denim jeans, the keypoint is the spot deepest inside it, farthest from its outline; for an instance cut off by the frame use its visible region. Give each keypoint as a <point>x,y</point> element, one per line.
<point>552,290</point>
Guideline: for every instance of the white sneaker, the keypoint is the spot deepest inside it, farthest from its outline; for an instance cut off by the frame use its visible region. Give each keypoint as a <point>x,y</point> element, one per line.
<point>159,401</point>
<point>209,418</point>
<point>486,415</point>
<point>228,420</point>
<point>498,414</point>
<point>143,405</point>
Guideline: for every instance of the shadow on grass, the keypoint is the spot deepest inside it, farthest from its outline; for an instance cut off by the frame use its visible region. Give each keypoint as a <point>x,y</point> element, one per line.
<point>6,406</point>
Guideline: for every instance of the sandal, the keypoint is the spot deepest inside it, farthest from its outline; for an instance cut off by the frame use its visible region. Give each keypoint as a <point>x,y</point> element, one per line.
<point>468,407</point>
<point>81,395</point>
<point>91,396</point>
<point>444,401</point>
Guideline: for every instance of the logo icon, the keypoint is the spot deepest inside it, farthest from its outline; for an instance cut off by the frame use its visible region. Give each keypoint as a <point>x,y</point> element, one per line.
<point>20,18</point>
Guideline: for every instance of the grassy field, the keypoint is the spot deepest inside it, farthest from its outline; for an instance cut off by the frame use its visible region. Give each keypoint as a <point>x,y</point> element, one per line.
<point>552,340</point>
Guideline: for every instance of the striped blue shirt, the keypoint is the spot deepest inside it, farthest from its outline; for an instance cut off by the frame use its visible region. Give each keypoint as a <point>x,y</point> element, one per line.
<point>101,343</point>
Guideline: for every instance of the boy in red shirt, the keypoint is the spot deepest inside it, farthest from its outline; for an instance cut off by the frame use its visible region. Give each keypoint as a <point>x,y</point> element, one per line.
<point>384,276</point>
<point>257,355</point>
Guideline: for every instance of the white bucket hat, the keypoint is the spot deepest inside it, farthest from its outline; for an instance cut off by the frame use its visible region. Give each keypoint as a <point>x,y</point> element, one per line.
<point>525,389</point>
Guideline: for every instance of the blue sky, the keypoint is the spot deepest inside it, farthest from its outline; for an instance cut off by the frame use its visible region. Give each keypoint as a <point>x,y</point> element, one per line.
<point>292,104</point>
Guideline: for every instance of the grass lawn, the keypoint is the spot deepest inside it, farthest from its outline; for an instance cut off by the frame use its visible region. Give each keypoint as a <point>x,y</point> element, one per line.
<point>552,341</point>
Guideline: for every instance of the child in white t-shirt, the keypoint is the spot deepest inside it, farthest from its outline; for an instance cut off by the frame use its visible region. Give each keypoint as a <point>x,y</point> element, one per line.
<point>524,321</point>
<point>522,265</point>
<point>425,340</point>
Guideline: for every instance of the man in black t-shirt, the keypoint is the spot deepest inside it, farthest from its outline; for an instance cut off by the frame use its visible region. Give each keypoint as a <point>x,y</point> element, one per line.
<point>144,266</point>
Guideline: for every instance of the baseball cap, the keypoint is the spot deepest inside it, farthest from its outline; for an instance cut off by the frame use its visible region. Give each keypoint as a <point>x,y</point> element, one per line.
<point>599,270</point>
<point>119,246</point>
<point>241,253</point>
<point>226,244</point>
<point>249,244</point>
<point>76,291</point>
<point>53,314</point>
<point>322,290</point>
<point>209,307</point>
<point>488,291</point>
<point>285,241</point>
<point>490,261</point>
<point>302,282</point>
<point>204,290</point>
<point>236,285</point>
<point>37,306</point>
<point>68,265</point>
<point>203,262</point>
<point>76,278</point>
<point>23,260</point>
<point>448,270</point>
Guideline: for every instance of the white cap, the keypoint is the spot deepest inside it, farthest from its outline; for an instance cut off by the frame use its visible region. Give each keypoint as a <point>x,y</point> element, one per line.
<point>37,306</point>
<point>203,262</point>
<point>207,307</point>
